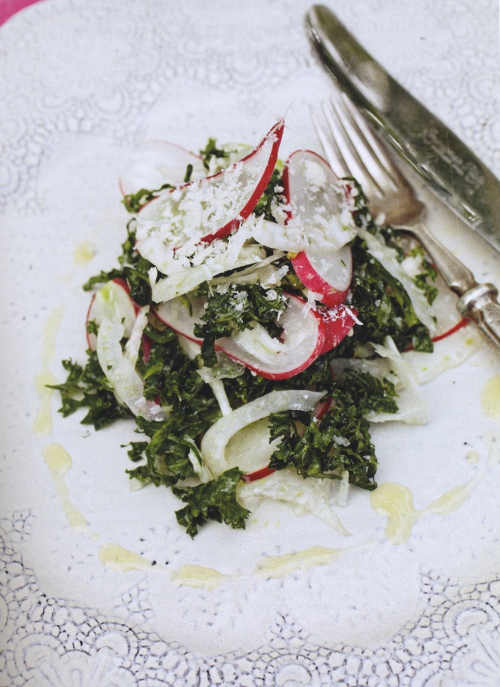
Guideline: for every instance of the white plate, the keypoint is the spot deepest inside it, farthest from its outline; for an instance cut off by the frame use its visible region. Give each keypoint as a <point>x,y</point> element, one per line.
<point>81,82</point>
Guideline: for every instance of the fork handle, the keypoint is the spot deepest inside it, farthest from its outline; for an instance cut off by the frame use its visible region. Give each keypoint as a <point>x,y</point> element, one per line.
<point>481,305</point>
<point>477,301</point>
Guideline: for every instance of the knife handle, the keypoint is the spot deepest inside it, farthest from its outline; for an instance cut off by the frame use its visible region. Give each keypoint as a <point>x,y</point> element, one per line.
<point>480,304</point>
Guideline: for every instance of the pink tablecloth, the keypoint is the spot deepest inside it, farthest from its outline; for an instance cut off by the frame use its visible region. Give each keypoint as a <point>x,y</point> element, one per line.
<point>10,7</point>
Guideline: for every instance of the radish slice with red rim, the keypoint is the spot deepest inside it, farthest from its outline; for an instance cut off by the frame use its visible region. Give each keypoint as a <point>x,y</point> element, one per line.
<point>154,163</point>
<point>302,341</point>
<point>327,275</point>
<point>316,204</point>
<point>176,315</point>
<point>338,322</point>
<point>172,225</point>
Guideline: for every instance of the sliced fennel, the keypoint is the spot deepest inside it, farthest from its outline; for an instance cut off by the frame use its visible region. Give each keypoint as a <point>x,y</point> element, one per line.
<point>216,438</point>
<point>118,365</point>
<point>313,496</point>
<point>220,256</point>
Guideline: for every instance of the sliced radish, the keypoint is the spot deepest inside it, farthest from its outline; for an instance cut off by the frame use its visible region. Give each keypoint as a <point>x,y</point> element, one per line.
<point>316,207</point>
<point>338,322</point>
<point>327,275</point>
<point>176,315</point>
<point>258,474</point>
<point>114,297</point>
<point>172,225</point>
<point>303,338</point>
<point>316,203</point>
<point>302,342</point>
<point>154,163</point>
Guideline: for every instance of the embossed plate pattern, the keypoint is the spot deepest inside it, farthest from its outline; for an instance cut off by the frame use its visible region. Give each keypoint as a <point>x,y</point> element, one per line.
<point>82,81</point>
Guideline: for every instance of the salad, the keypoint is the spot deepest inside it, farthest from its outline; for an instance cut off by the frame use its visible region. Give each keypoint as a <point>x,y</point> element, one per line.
<point>253,329</point>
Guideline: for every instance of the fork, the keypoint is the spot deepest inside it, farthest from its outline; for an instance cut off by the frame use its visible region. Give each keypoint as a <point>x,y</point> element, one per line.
<point>353,150</point>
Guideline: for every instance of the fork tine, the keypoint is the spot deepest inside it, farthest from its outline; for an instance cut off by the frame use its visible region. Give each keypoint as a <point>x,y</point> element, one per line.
<point>350,146</point>
<point>329,145</point>
<point>375,151</point>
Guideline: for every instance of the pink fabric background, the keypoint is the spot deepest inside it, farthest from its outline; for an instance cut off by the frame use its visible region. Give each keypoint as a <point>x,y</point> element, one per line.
<point>10,7</point>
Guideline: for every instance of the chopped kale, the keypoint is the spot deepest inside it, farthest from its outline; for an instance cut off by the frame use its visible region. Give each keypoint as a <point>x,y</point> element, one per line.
<point>211,150</point>
<point>134,202</point>
<point>87,387</point>
<point>383,306</point>
<point>214,500</point>
<point>133,269</point>
<point>136,450</point>
<point>171,379</point>
<point>234,308</point>
<point>92,327</point>
<point>166,453</point>
<point>340,440</point>
<point>425,280</point>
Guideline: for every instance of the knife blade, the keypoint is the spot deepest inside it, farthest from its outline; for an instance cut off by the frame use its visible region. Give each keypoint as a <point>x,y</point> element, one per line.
<point>445,163</point>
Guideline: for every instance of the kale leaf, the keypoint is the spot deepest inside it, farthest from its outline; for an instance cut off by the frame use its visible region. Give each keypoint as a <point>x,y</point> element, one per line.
<point>234,308</point>
<point>134,202</point>
<point>133,269</point>
<point>383,306</point>
<point>211,150</point>
<point>214,500</point>
<point>87,387</point>
<point>340,440</point>
<point>171,378</point>
<point>166,453</point>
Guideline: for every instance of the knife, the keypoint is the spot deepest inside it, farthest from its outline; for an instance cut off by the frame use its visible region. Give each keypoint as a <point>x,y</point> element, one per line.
<point>448,167</point>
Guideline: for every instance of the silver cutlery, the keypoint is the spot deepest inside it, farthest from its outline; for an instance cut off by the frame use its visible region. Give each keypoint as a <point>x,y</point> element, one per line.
<point>447,165</point>
<point>353,150</point>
